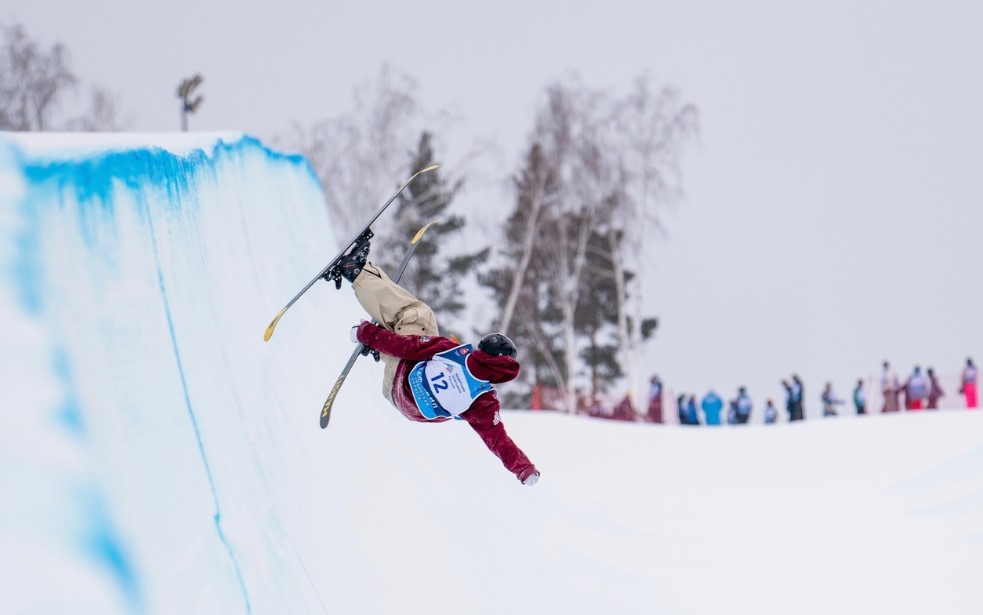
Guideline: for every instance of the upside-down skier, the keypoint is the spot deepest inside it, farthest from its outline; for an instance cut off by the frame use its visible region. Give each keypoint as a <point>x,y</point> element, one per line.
<point>429,378</point>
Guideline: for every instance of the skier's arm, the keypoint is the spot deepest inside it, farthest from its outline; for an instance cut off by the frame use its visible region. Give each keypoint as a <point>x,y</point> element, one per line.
<point>408,347</point>
<point>483,416</point>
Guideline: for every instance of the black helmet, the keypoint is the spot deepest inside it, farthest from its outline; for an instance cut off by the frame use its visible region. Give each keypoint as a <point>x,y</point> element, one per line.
<point>497,344</point>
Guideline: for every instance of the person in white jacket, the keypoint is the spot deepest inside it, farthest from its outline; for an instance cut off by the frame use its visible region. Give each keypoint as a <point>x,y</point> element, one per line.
<point>830,402</point>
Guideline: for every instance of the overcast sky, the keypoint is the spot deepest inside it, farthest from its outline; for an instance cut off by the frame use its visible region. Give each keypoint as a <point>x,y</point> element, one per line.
<point>834,203</point>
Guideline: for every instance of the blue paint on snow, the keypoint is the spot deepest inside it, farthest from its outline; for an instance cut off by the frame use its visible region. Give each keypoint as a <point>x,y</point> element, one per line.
<point>94,179</point>
<point>194,424</point>
<point>99,538</point>
<point>91,186</point>
<point>70,413</point>
<point>27,271</point>
<point>103,543</point>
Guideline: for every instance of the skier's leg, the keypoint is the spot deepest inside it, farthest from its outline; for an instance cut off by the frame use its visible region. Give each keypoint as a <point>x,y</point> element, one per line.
<point>394,308</point>
<point>391,305</point>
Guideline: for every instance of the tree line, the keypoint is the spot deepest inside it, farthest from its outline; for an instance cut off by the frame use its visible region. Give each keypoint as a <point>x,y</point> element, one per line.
<point>561,273</point>
<point>36,82</point>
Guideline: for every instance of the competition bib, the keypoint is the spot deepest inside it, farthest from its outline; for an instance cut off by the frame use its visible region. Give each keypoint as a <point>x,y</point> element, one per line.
<point>443,386</point>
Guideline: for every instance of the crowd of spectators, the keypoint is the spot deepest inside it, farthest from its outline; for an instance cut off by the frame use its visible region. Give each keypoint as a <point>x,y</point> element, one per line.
<point>920,390</point>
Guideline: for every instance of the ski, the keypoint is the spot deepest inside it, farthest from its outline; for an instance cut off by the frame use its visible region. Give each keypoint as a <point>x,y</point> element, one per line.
<point>360,348</point>
<point>366,231</point>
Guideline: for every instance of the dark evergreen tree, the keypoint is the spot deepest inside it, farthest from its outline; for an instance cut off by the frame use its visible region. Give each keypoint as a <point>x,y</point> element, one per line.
<point>597,316</point>
<point>436,273</point>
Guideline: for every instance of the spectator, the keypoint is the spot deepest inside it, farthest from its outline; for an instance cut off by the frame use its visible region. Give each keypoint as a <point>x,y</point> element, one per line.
<point>712,405</point>
<point>935,391</point>
<point>597,409</point>
<point>860,398</point>
<point>655,400</point>
<point>771,413</point>
<point>889,387</point>
<point>582,400</point>
<point>691,410</point>
<point>830,402</point>
<point>969,381</point>
<point>625,410</point>
<point>681,409</point>
<point>915,390</point>
<point>789,403</point>
<point>798,394</point>
<point>732,412</point>
<point>743,406</point>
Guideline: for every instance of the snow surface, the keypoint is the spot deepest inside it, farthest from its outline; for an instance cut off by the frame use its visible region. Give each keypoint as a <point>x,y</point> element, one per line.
<point>156,456</point>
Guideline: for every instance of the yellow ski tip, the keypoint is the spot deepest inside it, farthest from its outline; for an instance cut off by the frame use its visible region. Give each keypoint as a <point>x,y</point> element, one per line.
<point>428,169</point>
<point>419,233</point>
<point>326,409</point>
<point>269,330</point>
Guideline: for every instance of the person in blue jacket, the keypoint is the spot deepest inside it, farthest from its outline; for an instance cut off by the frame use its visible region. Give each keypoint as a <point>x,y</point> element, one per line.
<point>691,414</point>
<point>795,393</point>
<point>712,405</point>
<point>681,409</point>
<point>789,400</point>
<point>743,406</point>
<point>771,413</point>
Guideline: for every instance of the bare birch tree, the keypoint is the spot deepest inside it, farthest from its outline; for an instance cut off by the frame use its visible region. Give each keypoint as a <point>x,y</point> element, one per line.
<point>518,277</point>
<point>363,151</point>
<point>652,127</point>
<point>37,83</point>
<point>33,81</point>
<point>615,163</point>
<point>103,114</point>
<point>567,130</point>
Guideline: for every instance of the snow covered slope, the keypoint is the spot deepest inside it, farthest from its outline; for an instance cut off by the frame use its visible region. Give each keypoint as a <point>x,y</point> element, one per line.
<point>156,456</point>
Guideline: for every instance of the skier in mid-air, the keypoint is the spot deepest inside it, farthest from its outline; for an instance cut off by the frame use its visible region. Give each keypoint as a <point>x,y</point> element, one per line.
<point>429,378</point>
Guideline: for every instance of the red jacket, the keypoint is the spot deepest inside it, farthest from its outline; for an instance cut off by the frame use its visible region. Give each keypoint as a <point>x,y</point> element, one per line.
<point>483,415</point>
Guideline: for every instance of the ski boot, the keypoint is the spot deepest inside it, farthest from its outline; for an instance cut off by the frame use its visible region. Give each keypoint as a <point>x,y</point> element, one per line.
<point>350,265</point>
<point>366,351</point>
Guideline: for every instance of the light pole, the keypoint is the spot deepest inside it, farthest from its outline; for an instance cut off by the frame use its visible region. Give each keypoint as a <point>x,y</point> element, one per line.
<point>184,92</point>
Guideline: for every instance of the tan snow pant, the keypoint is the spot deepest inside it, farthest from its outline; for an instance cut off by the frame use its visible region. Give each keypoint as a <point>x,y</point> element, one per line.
<point>394,308</point>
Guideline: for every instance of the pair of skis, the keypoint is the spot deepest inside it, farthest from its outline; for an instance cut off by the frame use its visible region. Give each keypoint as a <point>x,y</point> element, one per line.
<point>359,350</point>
